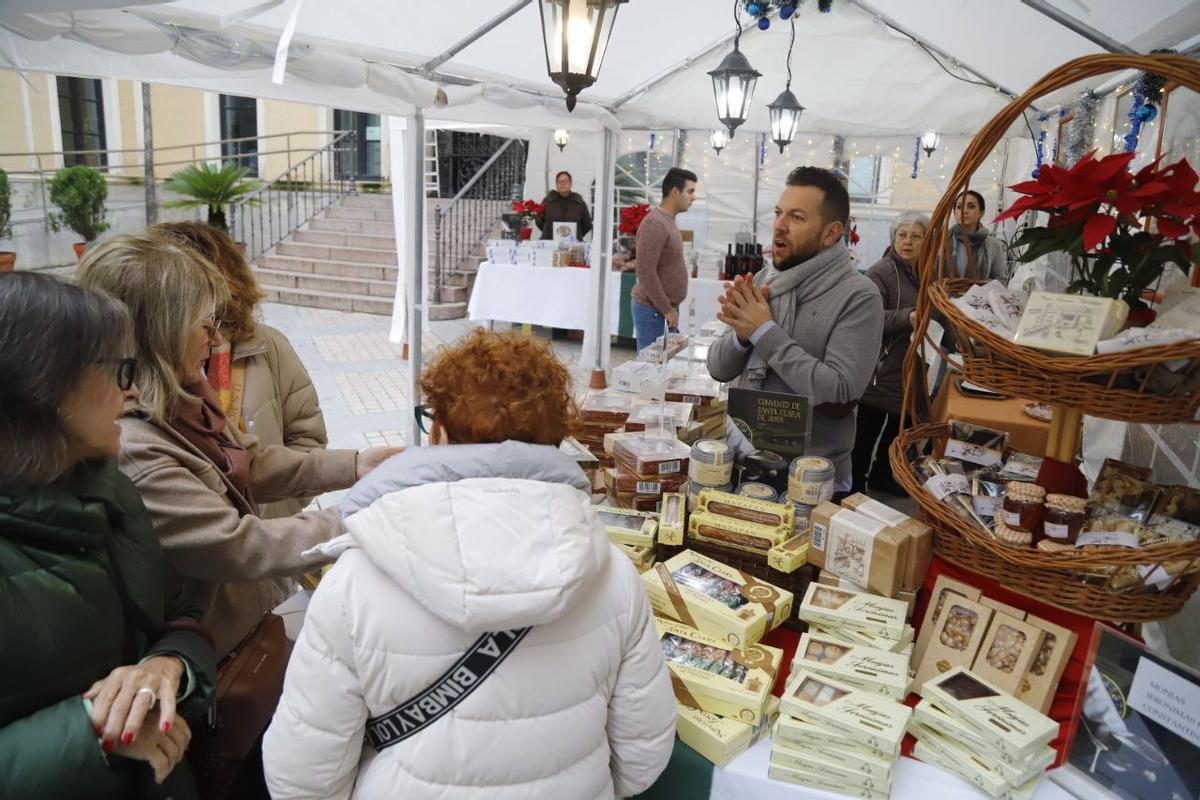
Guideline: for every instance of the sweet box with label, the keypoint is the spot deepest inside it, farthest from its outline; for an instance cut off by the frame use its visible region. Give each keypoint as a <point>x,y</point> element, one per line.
<point>870,719</point>
<point>842,608</point>
<point>718,739</point>
<point>865,668</point>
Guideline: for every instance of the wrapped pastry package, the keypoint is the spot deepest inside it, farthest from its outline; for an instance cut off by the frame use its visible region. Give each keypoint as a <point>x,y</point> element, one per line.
<point>1040,681</point>
<point>671,518</point>
<point>721,740</point>
<point>864,668</point>
<point>957,637</point>
<point>626,526</point>
<point>976,444</point>
<point>1008,651</point>
<point>790,555</point>
<point>606,406</point>
<point>859,611</point>
<point>870,719</point>
<point>943,589</point>
<point>1002,721</point>
<point>816,740</point>
<point>1015,770</point>
<point>819,780</point>
<point>651,455</point>
<point>729,532</point>
<point>839,771</point>
<point>859,548</point>
<point>747,509</point>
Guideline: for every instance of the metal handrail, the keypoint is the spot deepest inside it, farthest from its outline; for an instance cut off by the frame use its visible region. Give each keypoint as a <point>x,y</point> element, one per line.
<point>475,178</point>
<point>279,207</point>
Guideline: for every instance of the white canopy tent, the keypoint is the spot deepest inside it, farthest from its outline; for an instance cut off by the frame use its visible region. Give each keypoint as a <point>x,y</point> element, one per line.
<point>873,75</point>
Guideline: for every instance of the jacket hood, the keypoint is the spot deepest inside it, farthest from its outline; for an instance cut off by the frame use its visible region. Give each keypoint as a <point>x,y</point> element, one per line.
<point>485,537</point>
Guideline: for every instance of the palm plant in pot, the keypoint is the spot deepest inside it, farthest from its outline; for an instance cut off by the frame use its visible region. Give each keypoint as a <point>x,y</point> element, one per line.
<point>1121,230</point>
<point>8,259</point>
<point>79,192</point>
<point>206,186</point>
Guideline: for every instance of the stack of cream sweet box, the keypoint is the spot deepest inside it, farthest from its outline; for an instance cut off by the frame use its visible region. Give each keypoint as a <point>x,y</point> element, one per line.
<point>711,619</point>
<point>842,719</point>
<point>975,730</point>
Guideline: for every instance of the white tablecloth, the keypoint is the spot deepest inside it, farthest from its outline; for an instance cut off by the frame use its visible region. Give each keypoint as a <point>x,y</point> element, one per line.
<point>558,297</point>
<point>745,778</point>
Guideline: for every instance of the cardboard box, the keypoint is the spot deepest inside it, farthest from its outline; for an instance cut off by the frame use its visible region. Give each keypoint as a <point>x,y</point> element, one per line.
<point>718,739</point>
<point>920,535</point>
<point>653,416</point>
<point>699,390</point>
<point>865,668</point>
<point>791,555</point>
<point>748,509</point>
<point>734,533</point>
<point>870,719</point>
<point>860,639</point>
<point>650,455</point>
<point>739,692</point>
<point>1069,324</point>
<point>626,526</point>
<point>1007,652</point>
<point>931,754</point>
<point>671,518</point>
<point>620,482</point>
<point>957,637</point>
<point>841,608</point>
<point>859,548</point>
<point>1004,608</point>
<point>798,734</point>
<point>909,598</point>
<point>944,588</point>
<point>1002,721</point>
<point>1015,771</point>
<point>646,503</point>
<point>641,556</point>
<point>834,770</point>
<point>1040,683</point>
<point>779,772</point>
<point>608,406</point>
<point>716,598</point>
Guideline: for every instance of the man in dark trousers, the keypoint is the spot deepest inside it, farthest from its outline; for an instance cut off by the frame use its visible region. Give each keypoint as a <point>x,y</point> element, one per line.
<point>564,205</point>
<point>662,276</point>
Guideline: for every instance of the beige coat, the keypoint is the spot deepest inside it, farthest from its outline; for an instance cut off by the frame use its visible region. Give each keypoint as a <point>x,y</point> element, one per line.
<point>279,403</point>
<point>237,566</point>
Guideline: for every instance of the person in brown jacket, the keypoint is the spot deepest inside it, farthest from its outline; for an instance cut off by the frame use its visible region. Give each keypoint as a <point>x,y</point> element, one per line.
<point>263,386</point>
<point>895,275</point>
<point>662,276</point>
<point>564,205</point>
<point>200,478</point>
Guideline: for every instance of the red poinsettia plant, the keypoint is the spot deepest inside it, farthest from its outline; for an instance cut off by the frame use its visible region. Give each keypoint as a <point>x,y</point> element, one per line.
<point>631,218</point>
<point>1097,210</point>
<point>531,207</point>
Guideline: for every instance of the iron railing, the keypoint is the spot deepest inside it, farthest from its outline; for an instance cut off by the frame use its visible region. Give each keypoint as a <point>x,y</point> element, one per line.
<point>39,167</point>
<point>272,212</point>
<point>463,222</point>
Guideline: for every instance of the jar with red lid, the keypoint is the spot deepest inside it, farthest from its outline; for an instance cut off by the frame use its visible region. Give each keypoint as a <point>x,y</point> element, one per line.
<point>1023,506</point>
<point>1064,518</point>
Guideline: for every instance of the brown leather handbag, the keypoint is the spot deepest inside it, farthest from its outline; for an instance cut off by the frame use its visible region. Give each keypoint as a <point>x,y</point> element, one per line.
<point>249,685</point>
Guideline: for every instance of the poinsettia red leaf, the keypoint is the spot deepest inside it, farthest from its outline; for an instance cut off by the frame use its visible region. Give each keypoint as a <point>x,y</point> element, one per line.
<point>1032,187</point>
<point>1109,166</point>
<point>1171,228</point>
<point>1154,187</point>
<point>1179,210</point>
<point>1128,204</point>
<point>1096,230</point>
<point>1147,171</point>
<point>1018,208</point>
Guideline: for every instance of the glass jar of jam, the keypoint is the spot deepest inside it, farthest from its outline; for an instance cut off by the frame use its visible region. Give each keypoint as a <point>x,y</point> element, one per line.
<point>1023,506</point>
<point>1064,518</point>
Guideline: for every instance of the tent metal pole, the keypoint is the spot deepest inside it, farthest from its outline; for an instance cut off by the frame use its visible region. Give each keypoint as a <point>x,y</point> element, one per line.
<point>414,142</point>
<point>602,243</point>
<point>646,86</point>
<point>891,23</point>
<point>754,200</point>
<point>483,30</point>
<point>1071,23</point>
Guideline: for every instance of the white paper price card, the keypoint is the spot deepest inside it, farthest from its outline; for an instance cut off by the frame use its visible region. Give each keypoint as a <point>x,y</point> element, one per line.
<point>1168,698</point>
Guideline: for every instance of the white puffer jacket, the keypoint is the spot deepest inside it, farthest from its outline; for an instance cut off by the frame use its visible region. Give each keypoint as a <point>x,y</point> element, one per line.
<point>453,542</point>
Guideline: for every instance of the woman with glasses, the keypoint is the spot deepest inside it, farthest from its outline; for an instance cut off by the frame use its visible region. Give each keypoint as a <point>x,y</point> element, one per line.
<point>493,530</point>
<point>878,420</point>
<point>262,386</point>
<point>105,663</point>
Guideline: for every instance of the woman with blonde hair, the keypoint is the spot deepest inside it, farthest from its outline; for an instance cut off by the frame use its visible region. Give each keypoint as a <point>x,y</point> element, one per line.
<point>201,478</point>
<point>486,545</point>
<point>261,383</point>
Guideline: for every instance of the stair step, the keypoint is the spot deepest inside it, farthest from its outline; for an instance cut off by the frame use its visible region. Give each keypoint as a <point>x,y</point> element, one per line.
<point>440,311</point>
<point>451,293</point>
<point>338,269</point>
<point>337,301</point>
<point>320,252</point>
<point>372,201</point>
<point>365,214</point>
<point>283,280</point>
<point>368,227</point>
<point>363,240</point>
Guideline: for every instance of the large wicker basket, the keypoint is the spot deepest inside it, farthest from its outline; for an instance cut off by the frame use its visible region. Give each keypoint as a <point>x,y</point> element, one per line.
<point>1095,582</point>
<point>1101,582</point>
<point>1117,385</point>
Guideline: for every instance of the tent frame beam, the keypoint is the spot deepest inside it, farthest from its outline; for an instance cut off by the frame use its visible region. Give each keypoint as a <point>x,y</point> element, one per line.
<point>1077,26</point>
<point>429,68</point>
<point>687,63</point>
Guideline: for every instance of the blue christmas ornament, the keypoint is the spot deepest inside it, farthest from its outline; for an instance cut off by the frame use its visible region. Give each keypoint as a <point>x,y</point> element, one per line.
<point>914,174</point>
<point>763,23</point>
<point>1147,113</point>
<point>786,11</point>
<point>754,8</point>
<point>1035,172</point>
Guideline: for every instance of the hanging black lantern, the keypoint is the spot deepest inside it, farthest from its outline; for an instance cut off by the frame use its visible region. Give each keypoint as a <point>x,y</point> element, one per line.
<point>717,140</point>
<point>930,142</point>
<point>733,83</point>
<point>575,34</point>
<point>785,113</point>
<point>785,109</point>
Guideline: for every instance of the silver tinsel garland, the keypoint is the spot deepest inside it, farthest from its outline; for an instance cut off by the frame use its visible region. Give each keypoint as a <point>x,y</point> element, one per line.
<point>1080,136</point>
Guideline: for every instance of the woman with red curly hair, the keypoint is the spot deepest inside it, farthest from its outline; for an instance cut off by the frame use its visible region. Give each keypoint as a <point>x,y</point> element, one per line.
<point>494,532</point>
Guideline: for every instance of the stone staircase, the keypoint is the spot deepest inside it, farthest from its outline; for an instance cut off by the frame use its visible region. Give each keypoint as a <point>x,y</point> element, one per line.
<point>345,259</point>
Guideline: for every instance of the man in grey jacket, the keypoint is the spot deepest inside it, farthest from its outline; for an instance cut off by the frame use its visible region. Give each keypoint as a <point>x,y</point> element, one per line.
<point>810,324</point>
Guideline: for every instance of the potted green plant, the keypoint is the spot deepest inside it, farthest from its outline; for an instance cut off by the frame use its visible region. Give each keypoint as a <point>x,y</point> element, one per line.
<point>8,259</point>
<point>1097,210</point>
<point>205,186</point>
<point>79,192</point>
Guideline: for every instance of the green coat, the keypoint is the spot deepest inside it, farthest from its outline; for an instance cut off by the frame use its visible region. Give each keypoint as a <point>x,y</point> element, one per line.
<point>63,627</point>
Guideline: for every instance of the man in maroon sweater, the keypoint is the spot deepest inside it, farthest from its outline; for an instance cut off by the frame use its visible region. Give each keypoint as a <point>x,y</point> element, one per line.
<point>662,277</point>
